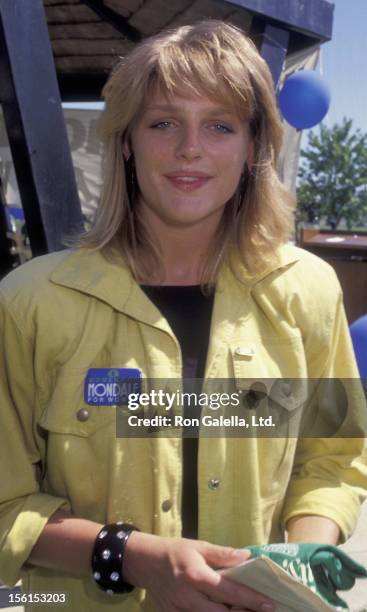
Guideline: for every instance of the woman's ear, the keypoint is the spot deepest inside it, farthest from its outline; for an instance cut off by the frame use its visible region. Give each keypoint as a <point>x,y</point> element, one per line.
<point>126,150</point>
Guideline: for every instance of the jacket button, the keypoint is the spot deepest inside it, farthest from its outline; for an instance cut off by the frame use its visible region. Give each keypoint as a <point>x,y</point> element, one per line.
<point>287,389</point>
<point>213,484</point>
<point>166,505</point>
<point>82,415</point>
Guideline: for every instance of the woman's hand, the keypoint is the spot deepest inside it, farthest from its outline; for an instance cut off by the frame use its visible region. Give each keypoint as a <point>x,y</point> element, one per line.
<point>178,574</point>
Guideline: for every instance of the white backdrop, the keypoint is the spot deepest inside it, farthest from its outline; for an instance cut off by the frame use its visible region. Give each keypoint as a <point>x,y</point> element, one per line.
<point>86,151</point>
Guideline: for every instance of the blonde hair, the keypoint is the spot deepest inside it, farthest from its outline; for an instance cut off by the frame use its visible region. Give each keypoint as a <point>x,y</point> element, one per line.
<point>218,60</point>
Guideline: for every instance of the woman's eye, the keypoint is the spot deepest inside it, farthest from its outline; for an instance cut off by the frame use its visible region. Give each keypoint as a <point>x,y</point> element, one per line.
<point>161,124</point>
<point>219,127</point>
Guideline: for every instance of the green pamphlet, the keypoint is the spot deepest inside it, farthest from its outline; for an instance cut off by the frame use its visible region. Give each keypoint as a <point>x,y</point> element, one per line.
<point>299,576</point>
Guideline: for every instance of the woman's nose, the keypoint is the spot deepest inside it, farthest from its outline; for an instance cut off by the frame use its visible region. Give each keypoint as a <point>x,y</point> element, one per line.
<point>189,143</point>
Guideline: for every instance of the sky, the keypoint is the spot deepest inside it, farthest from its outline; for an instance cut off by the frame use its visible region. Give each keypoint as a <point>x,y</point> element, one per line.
<point>344,64</point>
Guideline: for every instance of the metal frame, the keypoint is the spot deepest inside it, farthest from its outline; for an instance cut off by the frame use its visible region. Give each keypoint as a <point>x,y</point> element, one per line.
<point>311,17</point>
<point>35,126</point>
<point>272,42</point>
<point>117,21</point>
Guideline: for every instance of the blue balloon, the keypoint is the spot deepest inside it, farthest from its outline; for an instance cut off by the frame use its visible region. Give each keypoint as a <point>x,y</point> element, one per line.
<point>358,331</point>
<point>304,99</point>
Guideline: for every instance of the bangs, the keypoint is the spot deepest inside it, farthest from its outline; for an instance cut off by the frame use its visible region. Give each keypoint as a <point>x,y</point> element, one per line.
<point>201,69</point>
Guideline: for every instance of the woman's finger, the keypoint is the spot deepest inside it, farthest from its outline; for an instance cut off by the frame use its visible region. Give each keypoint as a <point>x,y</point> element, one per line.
<point>203,604</point>
<point>230,592</point>
<point>220,589</point>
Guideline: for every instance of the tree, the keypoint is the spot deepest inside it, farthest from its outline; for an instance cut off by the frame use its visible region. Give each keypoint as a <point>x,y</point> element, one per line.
<point>333,177</point>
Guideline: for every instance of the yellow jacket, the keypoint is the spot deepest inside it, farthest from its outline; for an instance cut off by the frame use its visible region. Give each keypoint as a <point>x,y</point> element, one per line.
<point>66,312</point>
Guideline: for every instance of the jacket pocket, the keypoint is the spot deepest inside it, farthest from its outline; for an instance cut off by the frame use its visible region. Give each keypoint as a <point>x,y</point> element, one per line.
<point>66,411</point>
<point>280,397</point>
<point>261,376</point>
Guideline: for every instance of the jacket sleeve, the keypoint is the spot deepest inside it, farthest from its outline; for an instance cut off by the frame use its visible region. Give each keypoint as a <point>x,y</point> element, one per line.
<point>330,474</point>
<point>24,509</point>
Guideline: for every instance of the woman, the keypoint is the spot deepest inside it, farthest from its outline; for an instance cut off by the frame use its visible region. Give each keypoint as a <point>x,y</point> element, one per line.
<point>191,200</point>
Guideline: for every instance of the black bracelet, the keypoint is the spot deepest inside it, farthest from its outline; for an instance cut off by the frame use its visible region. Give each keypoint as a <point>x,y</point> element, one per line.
<point>108,556</point>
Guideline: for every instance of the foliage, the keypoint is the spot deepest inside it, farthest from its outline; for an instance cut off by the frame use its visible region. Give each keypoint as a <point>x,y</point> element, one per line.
<point>333,177</point>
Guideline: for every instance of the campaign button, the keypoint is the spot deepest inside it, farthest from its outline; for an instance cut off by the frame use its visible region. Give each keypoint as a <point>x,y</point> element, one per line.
<point>111,386</point>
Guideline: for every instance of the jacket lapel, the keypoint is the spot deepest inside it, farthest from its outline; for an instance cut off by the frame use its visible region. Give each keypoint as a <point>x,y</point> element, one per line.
<point>90,272</point>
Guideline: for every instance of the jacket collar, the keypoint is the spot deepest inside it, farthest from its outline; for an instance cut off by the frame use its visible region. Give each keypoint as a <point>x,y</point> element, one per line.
<point>91,273</point>
<point>285,256</point>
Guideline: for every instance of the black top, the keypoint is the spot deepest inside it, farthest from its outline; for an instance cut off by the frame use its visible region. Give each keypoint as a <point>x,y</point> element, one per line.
<point>188,312</point>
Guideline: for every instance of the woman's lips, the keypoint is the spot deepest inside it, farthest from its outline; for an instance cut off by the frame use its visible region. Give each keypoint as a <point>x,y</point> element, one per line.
<point>188,184</point>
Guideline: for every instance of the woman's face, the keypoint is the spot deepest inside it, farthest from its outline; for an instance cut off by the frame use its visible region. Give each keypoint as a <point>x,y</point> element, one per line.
<point>189,156</point>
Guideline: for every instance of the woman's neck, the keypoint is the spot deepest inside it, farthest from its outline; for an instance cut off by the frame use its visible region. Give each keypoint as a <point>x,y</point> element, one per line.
<point>180,276</point>
<point>184,249</point>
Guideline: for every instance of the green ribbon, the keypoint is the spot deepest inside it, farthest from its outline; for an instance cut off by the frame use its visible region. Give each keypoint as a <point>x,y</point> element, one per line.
<point>322,567</point>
